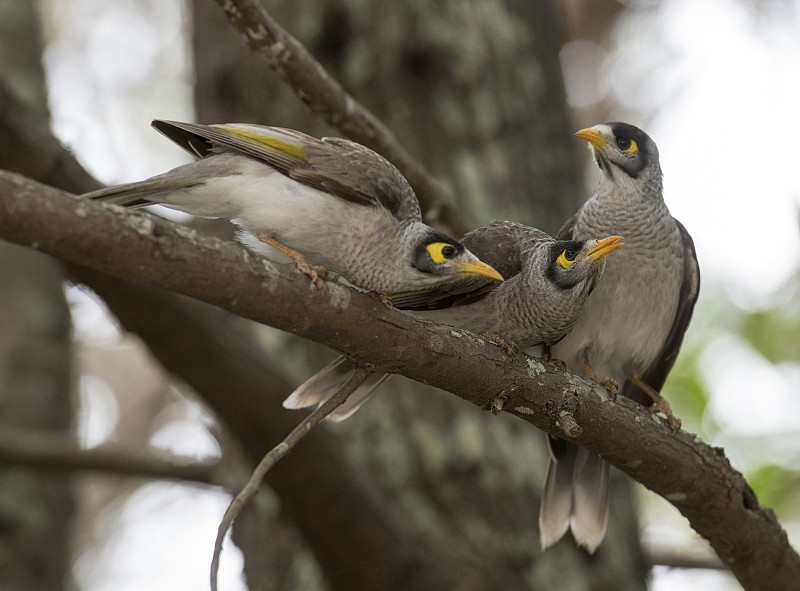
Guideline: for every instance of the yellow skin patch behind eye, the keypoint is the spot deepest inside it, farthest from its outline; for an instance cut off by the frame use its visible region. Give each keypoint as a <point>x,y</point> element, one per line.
<point>564,261</point>
<point>282,146</point>
<point>633,148</point>
<point>435,250</point>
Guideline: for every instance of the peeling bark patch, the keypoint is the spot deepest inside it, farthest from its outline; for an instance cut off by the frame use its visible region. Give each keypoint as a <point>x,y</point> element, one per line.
<point>677,497</point>
<point>535,368</point>
<point>339,298</point>
<point>435,342</point>
<point>145,227</point>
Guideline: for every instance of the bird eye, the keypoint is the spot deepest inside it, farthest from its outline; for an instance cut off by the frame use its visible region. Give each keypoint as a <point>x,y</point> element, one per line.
<point>567,257</point>
<point>627,145</point>
<point>441,251</point>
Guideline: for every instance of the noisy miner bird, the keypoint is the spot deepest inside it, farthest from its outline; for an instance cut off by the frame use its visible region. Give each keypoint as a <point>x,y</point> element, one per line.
<point>332,200</point>
<point>633,323</point>
<point>547,282</point>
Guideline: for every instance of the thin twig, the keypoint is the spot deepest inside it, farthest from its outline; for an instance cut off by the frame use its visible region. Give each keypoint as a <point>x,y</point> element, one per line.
<point>684,561</point>
<point>325,96</point>
<point>46,451</point>
<point>274,455</point>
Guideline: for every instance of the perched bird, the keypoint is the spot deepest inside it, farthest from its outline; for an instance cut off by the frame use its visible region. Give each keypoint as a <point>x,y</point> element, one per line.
<point>332,200</point>
<point>633,323</point>
<point>547,282</point>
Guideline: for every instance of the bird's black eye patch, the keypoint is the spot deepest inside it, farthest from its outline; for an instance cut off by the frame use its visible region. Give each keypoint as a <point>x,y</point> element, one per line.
<point>623,143</point>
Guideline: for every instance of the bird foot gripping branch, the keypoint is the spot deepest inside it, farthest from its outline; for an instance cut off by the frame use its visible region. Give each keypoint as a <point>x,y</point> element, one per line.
<point>609,384</point>
<point>660,404</point>
<point>315,272</point>
<point>509,347</point>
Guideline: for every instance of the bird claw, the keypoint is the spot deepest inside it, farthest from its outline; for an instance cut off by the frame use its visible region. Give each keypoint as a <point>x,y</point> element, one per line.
<point>315,272</point>
<point>509,348</point>
<point>662,406</point>
<point>381,297</point>
<point>610,384</point>
<point>496,405</point>
<point>549,359</point>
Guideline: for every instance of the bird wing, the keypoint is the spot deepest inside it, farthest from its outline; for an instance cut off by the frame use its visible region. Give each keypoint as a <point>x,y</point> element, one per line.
<point>504,244</point>
<point>656,374</point>
<point>338,166</point>
<point>458,292</point>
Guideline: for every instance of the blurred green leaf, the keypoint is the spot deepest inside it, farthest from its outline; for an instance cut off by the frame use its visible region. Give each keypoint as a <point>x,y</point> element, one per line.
<point>686,388</point>
<point>777,487</point>
<point>773,333</point>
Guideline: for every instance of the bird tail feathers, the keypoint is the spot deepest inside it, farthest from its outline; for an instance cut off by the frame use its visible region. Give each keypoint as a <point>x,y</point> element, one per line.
<point>575,497</point>
<point>326,382</point>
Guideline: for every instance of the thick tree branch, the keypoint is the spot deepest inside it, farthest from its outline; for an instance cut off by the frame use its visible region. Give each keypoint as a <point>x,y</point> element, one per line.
<point>693,476</point>
<point>223,360</point>
<point>326,97</point>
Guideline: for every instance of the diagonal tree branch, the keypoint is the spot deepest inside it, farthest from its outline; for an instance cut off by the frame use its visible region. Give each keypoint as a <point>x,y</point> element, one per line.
<point>221,357</point>
<point>326,97</point>
<point>693,476</point>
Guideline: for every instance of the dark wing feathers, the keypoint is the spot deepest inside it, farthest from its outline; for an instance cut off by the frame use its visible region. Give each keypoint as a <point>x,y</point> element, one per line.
<point>656,375</point>
<point>334,165</point>
<point>502,244</point>
<point>186,135</point>
<point>454,293</point>
<point>356,173</point>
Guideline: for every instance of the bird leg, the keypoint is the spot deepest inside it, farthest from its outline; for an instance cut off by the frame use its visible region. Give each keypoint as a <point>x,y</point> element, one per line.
<point>546,356</point>
<point>300,262</point>
<point>660,403</point>
<point>509,348</point>
<point>608,383</point>
<point>381,297</point>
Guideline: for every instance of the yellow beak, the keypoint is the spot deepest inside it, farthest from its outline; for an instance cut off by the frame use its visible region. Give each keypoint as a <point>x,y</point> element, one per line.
<point>604,248</point>
<point>480,268</point>
<point>592,135</point>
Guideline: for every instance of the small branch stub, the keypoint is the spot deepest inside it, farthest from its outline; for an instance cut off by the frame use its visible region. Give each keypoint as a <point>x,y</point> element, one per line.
<point>569,425</point>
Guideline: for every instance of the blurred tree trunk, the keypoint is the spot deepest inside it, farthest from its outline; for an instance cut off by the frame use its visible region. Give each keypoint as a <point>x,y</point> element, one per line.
<point>35,383</point>
<point>474,90</point>
<point>35,358</point>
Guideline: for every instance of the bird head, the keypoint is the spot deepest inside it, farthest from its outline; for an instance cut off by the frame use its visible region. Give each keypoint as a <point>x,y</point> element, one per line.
<point>439,255</point>
<point>579,262</point>
<point>623,148</point>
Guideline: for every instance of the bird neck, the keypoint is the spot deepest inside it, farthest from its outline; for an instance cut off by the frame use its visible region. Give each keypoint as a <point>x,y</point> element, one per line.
<point>632,208</point>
